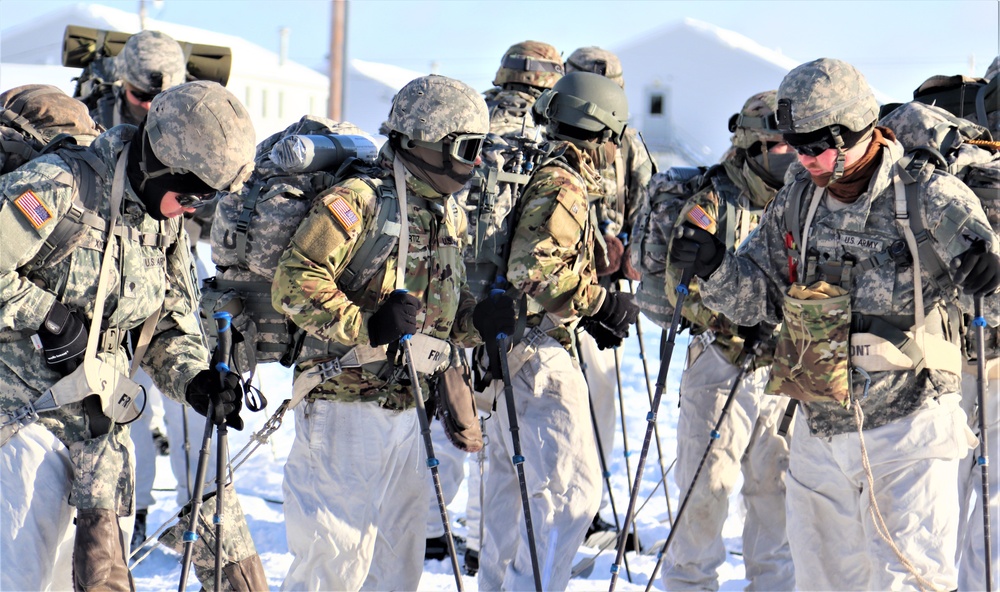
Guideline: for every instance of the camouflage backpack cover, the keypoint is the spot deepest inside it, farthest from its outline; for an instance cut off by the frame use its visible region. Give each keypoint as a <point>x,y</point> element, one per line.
<point>250,231</point>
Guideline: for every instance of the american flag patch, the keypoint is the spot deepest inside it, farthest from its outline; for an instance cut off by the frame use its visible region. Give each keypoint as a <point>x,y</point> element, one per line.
<point>344,213</point>
<point>699,218</point>
<point>33,209</point>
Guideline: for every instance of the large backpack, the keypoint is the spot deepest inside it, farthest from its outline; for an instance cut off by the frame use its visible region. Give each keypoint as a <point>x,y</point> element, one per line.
<point>973,99</point>
<point>252,229</point>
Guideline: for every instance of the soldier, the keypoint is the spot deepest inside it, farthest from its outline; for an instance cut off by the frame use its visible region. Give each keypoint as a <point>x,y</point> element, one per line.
<point>871,497</point>
<point>526,69</point>
<point>150,63</point>
<point>734,195</point>
<point>355,506</point>
<point>625,174</point>
<point>198,140</point>
<point>552,263</point>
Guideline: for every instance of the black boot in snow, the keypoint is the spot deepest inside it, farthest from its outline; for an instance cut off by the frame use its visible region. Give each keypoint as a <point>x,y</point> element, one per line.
<point>471,562</point>
<point>437,547</point>
<point>139,533</point>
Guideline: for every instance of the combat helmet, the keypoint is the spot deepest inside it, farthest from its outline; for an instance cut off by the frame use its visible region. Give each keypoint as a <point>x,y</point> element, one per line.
<point>755,133</point>
<point>200,128</point>
<point>596,60</point>
<point>532,63</point>
<point>151,62</point>
<point>583,105</point>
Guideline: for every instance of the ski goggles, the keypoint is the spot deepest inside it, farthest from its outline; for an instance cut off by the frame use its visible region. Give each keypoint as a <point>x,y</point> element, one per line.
<point>463,148</point>
<point>194,200</point>
<point>140,96</point>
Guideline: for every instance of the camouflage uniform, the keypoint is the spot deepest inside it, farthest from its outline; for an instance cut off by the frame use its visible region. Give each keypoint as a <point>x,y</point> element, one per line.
<point>552,262</point>
<point>371,505</point>
<point>912,423</point>
<point>748,440</point>
<point>526,69</point>
<point>100,474</point>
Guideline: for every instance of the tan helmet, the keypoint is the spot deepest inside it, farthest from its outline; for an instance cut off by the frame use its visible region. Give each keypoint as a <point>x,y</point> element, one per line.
<point>533,63</point>
<point>151,61</point>
<point>429,108</point>
<point>202,128</point>
<point>48,111</point>
<point>596,60</point>
<point>756,121</point>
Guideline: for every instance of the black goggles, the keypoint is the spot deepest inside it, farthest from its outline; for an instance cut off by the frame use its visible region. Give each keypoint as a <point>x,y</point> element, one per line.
<point>141,96</point>
<point>463,148</point>
<point>194,200</point>
<point>813,149</point>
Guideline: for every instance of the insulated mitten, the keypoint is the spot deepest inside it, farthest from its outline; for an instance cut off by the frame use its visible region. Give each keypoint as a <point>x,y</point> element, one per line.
<point>223,399</point>
<point>609,325</point>
<point>696,249</point>
<point>396,317</point>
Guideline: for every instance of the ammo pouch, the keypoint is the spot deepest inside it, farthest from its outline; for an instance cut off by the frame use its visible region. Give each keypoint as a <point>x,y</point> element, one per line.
<point>811,361</point>
<point>456,408</point>
<point>241,566</point>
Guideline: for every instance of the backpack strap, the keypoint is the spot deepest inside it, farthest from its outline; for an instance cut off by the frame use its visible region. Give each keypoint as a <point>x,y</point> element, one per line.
<point>243,223</point>
<point>372,253</point>
<point>913,167</point>
<point>793,228</point>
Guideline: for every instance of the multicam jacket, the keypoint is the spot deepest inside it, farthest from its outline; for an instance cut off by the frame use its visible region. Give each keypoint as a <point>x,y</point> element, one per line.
<point>306,285</point>
<point>749,287</point>
<point>552,250</point>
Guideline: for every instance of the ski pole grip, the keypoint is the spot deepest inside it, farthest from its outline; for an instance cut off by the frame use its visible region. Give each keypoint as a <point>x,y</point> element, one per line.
<point>494,293</point>
<point>223,329</point>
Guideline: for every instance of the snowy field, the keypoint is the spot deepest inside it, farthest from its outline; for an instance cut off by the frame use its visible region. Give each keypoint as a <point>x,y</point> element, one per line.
<point>258,483</point>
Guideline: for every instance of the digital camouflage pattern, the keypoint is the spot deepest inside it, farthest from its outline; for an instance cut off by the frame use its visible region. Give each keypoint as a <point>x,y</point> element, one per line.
<point>993,69</point>
<point>825,92</point>
<point>151,61</point>
<point>306,290</point>
<point>33,115</point>
<point>103,473</point>
<point>237,544</point>
<point>811,361</point>
<point>533,63</point>
<point>221,152</point>
<point>597,60</point>
<point>552,250</point>
<point>431,107</point>
<point>510,113</point>
<point>620,203</point>
<point>750,287</point>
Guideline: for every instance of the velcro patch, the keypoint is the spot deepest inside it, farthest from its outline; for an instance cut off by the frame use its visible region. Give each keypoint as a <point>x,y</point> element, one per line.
<point>33,209</point>
<point>344,213</point>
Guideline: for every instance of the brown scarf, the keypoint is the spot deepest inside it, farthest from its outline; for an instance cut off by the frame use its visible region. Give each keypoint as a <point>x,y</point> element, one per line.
<point>858,175</point>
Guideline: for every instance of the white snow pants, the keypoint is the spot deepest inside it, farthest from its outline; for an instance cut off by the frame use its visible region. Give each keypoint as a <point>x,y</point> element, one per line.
<point>971,541</point>
<point>914,462</point>
<point>748,441</point>
<point>355,498</point>
<point>451,471</point>
<point>599,369</point>
<point>142,439</point>
<point>561,470</point>
<point>479,466</point>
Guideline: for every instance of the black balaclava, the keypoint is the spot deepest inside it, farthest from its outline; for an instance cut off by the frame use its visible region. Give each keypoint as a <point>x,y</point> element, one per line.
<point>152,192</point>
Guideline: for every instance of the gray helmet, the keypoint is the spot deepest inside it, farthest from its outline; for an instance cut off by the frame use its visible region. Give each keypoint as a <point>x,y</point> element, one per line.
<point>429,108</point>
<point>151,61</point>
<point>202,128</point>
<point>823,93</point>
<point>585,101</point>
<point>533,63</point>
<point>596,60</point>
<point>756,121</point>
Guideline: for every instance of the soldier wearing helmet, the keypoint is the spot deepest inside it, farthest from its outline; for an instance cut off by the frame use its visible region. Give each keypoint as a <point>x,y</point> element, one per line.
<point>837,259</point>
<point>526,69</point>
<point>92,249</point>
<point>150,63</point>
<point>358,520</point>
<point>734,194</point>
<point>551,264</point>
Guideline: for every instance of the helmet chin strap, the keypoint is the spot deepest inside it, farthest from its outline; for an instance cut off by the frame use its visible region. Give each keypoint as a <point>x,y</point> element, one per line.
<point>838,167</point>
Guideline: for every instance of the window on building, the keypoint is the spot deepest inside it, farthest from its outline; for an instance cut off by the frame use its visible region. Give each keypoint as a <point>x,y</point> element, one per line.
<point>263,102</point>
<point>656,104</point>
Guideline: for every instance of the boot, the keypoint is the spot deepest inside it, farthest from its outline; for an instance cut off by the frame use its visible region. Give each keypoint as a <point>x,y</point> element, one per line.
<point>471,562</point>
<point>437,547</point>
<point>139,534</point>
<point>99,561</point>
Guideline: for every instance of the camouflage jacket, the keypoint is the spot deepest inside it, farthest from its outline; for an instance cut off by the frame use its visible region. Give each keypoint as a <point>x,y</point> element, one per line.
<point>749,286</point>
<point>306,286</point>
<point>147,278</point>
<point>552,250</point>
<point>510,113</point>
<point>622,197</point>
<point>112,108</point>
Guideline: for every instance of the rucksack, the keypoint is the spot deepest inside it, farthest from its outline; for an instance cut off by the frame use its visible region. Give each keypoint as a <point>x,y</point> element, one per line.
<point>651,233</point>
<point>973,99</point>
<point>252,229</point>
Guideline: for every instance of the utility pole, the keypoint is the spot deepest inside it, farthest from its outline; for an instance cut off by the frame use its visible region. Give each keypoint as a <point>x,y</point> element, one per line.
<point>338,47</point>
<point>142,15</point>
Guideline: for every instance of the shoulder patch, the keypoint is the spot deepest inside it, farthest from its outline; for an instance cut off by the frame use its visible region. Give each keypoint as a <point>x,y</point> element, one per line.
<point>34,210</point>
<point>344,213</point>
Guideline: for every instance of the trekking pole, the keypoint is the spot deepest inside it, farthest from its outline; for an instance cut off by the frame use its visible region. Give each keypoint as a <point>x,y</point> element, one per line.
<point>432,461</point>
<point>656,427</point>
<point>625,451</point>
<point>983,460</point>
<point>600,452</point>
<point>661,380</point>
<point>518,458</point>
<point>223,324</point>
<point>748,359</point>
<point>191,534</point>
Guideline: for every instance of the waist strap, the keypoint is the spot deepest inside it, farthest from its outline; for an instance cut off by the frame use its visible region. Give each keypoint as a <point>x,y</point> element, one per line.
<point>11,423</point>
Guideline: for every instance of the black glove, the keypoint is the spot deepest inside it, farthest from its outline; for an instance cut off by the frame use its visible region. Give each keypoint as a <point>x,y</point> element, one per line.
<point>64,339</point>
<point>696,249</point>
<point>396,317</point>
<point>223,399</point>
<point>751,335</point>
<point>494,315</point>
<point>978,270</point>
<point>609,325</point>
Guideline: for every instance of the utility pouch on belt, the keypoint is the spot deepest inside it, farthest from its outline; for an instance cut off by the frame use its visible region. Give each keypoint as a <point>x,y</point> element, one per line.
<point>456,406</point>
<point>811,360</point>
